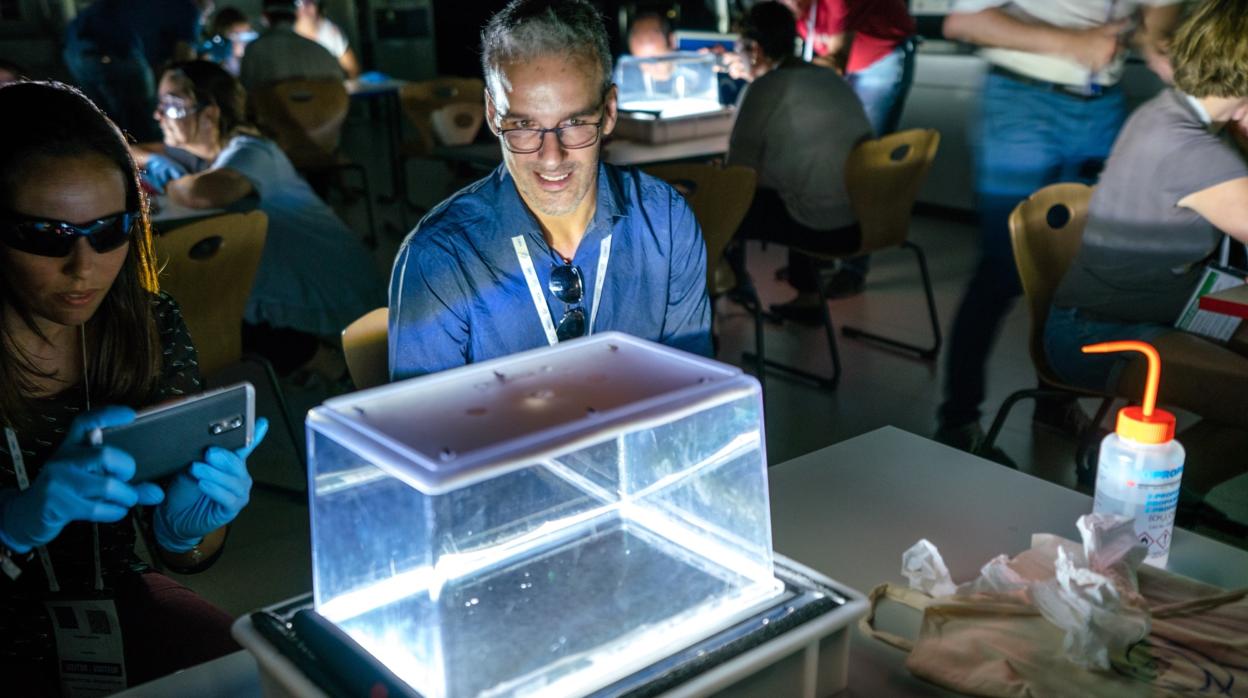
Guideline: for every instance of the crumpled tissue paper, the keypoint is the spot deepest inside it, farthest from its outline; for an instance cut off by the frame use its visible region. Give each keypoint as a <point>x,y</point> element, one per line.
<point>1090,593</point>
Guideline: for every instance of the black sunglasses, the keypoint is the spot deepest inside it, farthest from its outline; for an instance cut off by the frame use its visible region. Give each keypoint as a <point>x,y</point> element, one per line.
<point>51,238</point>
<point>566,284</point>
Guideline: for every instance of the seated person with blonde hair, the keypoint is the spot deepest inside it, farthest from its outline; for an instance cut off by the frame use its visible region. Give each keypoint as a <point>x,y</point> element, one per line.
<point>1173,184</point>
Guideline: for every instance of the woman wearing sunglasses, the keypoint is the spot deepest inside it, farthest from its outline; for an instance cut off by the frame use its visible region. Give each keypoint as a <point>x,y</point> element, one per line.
<point>85,339</point>
<point>315,277</point>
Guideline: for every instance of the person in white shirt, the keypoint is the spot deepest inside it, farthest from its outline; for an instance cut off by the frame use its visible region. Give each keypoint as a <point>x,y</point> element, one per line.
<point>282,54</point>
<point>311,24</point>
<point>1051,109</point>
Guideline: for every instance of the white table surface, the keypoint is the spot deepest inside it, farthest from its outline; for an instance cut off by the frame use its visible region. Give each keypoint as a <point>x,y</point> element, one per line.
<point>849,511</point>
<point>171,214</point>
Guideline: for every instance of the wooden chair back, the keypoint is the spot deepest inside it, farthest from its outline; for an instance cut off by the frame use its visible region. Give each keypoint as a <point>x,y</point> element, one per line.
<point>209,267</point>
<point>304,117</point>
<point>720,198</point>
<point>446,111</point>
<point>1046,230</point>
<point>883,177</point>
<point>365,343</point>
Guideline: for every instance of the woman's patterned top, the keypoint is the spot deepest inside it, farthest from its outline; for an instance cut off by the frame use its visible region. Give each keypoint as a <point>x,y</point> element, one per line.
<point>71,551</point>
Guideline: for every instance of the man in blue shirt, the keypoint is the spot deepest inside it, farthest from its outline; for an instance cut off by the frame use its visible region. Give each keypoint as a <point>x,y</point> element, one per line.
<point>554,244</point>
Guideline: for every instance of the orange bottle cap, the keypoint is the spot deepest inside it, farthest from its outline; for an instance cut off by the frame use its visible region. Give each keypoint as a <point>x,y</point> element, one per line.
<point>1145,424</point>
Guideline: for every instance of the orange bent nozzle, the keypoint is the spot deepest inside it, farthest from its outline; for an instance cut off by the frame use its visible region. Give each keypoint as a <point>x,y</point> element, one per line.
<point>1144,424</point>
<point>1154,366</point>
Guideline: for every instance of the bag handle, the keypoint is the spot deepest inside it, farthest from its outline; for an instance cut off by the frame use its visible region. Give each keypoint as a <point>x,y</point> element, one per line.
<point>1198,605</point>
<point>902,595</point>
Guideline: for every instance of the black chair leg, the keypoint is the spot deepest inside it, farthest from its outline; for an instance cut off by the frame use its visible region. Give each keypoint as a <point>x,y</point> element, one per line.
<point>928,353</point>
<point>370,238</point>
<point>284,408</point>
<point>826,382</point>
<point>1004,411</point>
<point>1089,442</point>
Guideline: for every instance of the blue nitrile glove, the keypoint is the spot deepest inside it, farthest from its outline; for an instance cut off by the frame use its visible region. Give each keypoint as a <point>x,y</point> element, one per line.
<point>160,171</point>
<point>206,496</point>
<point>79,482</point>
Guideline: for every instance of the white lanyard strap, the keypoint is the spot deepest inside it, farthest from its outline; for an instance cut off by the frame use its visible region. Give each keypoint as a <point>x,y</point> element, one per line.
<point>535,288</point>
<point>604,256</point>
<point>808,48</point>
<point>23,484</point>
<point>539,298</point>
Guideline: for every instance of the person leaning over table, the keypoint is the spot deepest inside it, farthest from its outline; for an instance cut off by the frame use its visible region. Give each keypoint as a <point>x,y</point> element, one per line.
<point>315,275</point>
<point>554,244</point>
<point>86,338</point>
<point>310,23</point>
<point>796,126</point>
<point>1173,184</point>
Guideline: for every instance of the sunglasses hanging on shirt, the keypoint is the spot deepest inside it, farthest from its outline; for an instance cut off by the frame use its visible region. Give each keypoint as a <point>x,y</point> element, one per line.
<point>567,285</point>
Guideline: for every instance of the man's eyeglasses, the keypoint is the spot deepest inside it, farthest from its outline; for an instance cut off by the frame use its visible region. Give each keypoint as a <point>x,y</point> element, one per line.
<point>529,140</point>
<point>175,107</point>
<point>566,284</point>
<point>52,238</point>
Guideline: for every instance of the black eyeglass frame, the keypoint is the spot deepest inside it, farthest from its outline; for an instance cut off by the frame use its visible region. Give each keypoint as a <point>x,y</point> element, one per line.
<point>47,237</point>
<point>558,131</point>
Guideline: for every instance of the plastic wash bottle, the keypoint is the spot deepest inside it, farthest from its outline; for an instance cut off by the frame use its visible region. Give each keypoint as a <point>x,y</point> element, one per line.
<point>1140,463</point>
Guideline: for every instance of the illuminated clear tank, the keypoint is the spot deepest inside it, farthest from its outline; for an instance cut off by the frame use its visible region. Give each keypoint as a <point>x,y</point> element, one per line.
<point>675,85</point>
<point>542,524</point>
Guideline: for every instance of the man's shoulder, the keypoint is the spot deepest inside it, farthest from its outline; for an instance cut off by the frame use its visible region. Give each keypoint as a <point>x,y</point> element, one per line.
<point>467,216</point>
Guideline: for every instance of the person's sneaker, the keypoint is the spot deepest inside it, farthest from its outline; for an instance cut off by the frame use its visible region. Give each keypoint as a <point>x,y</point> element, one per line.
<point>799,311</point>
<point>1061,416</point>
<point>843,284</point>
<point>969,437</point>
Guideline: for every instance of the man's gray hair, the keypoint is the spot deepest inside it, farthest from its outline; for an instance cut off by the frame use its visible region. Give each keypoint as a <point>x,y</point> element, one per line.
<point>527,29</point>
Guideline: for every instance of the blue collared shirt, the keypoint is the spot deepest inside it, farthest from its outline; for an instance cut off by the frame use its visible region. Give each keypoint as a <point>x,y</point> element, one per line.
<point>458,293</point>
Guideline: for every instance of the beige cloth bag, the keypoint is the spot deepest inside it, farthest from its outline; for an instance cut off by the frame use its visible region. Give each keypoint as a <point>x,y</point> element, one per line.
<point>1000,645</point>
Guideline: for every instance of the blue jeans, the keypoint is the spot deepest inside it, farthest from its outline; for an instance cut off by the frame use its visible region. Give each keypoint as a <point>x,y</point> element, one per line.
<point>1027,137</point>
<point>882,87</point>
<point>1068,330</point>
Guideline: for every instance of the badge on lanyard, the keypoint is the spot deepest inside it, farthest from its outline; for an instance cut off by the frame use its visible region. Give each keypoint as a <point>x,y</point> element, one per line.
<point>90,656</point>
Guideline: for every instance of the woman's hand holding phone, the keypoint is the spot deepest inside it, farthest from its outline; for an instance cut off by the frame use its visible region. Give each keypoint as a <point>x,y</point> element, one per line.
<point>79,482</point>
<point>206,496</point>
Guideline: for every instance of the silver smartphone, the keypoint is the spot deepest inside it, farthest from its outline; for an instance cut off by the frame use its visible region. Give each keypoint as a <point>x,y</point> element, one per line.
<point>167,438</point>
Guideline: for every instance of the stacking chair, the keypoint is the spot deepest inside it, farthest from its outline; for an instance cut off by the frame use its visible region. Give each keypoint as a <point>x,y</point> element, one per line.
<point>442,111</point>
<point>209,267</point>
<point>720,198</point>
<point>365,345</point>
<point>1046,231</point>
<point>883,177</point>
<point>305,118</point>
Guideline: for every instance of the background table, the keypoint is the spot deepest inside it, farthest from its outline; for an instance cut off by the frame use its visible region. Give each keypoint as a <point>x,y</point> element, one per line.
<point>849,511</point>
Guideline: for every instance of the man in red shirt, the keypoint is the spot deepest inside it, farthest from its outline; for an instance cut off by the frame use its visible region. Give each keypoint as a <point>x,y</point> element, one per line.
<point>871,43</point>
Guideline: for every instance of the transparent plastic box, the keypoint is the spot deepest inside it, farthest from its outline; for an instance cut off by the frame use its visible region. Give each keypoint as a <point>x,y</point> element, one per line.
<point>542,524</point>
<point>675,85</point>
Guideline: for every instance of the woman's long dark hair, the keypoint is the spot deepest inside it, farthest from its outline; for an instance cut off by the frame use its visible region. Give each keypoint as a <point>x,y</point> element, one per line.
<point>52,120</point>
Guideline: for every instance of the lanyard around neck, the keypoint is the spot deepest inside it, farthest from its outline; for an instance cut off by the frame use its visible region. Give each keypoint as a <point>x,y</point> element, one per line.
<point>539,298</point>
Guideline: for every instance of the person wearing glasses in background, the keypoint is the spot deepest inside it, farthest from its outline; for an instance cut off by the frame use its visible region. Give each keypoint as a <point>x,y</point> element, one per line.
<point>85,339</point>
<point>554,244</point>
